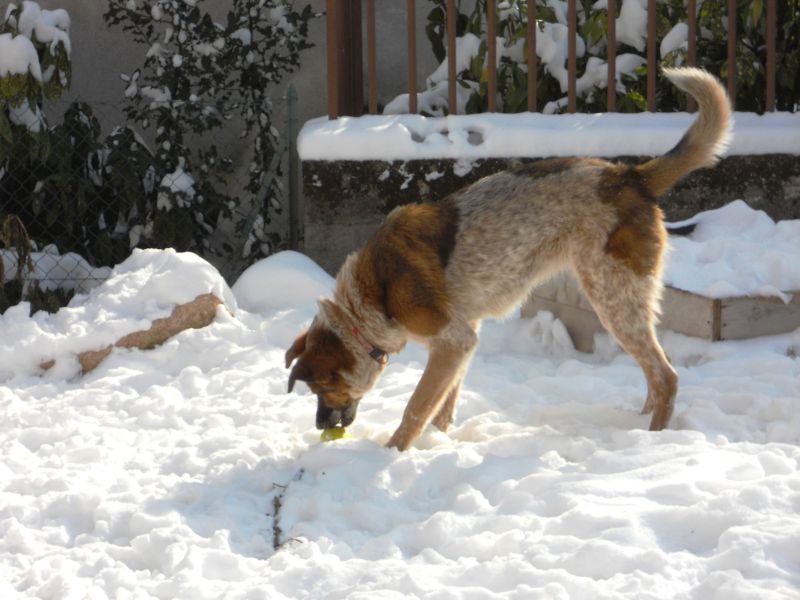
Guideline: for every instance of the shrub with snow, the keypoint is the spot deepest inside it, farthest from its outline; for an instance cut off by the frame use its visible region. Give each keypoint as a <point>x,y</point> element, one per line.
<point>591,51</point>
<point>78,191</point>
<point>196,76</point>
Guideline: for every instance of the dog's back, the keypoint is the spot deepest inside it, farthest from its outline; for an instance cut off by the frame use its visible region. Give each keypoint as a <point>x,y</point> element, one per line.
<point>519,226</point>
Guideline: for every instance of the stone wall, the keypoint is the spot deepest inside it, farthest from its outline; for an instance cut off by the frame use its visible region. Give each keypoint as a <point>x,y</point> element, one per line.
<point>345,201</point>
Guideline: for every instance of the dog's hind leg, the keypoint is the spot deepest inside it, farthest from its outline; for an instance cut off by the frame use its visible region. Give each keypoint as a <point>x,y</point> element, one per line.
<point>449,354</point>
<point>625,302</point>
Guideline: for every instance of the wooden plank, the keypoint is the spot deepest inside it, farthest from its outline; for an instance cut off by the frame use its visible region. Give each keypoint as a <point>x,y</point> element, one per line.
<point>681,311</point>
<point>749,317</point>
<point>688,313</point>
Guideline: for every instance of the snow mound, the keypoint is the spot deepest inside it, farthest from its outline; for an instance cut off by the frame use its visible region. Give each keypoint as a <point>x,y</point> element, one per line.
<point>145,287</point>
<point>284,280</point>
<point>736,250</point>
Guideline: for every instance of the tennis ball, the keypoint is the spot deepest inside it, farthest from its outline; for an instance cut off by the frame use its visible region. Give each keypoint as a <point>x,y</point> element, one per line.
<point>333,433</point>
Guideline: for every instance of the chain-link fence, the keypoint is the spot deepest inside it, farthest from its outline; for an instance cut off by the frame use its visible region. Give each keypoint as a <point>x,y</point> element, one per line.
<point>75,201</point>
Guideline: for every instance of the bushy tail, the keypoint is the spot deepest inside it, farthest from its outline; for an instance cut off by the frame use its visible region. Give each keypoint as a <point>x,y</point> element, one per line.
<point>705,140</point>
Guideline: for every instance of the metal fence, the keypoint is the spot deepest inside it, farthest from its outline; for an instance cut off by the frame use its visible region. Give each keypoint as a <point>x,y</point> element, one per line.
<point>345,54</point>
<point>69,199</point>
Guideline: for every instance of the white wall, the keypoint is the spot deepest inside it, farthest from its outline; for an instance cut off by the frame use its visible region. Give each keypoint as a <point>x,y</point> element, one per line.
<point>100,54</point>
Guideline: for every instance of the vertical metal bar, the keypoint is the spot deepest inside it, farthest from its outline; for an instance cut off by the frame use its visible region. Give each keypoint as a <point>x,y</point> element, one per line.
<point>291,133</point>
<point>491,34</point>
<point>772,18</point>
<point>651,55</point>
<point>351,75</point>
<point>732,51</point>
<point>572,66</point>
<point>451,57</point>
<point>691,51</point>
<point>372,63</point>
<point>532,64</point>
<point>412,56</point>
<point>611,100</point>
<point>333,59</point>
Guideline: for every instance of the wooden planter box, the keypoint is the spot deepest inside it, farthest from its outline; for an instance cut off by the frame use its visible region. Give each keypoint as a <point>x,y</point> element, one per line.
<point>691,314</point>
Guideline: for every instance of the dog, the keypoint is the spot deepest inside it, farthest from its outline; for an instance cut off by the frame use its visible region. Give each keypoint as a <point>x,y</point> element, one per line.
<point>433,271</point>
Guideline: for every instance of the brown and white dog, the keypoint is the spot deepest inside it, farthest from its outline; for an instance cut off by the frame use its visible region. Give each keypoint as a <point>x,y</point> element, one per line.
<point>433,271</point>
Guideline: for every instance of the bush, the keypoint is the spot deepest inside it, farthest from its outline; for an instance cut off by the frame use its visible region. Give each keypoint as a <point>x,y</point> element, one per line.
<point>197,75</point>
<point>101,196</point>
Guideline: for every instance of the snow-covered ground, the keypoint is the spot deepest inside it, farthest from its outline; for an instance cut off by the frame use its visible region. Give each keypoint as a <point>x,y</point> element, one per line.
<point>160,473</point>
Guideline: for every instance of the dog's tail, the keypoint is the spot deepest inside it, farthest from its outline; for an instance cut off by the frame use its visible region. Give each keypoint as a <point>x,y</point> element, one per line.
<point>705,140</point>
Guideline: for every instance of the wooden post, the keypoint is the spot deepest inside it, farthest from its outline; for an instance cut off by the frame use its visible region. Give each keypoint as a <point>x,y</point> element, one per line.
<point>412,56</point>
<point>452,101</point>
<point>691,51</point>
<point>572,64</point>
<point>611,98</point>
<point>333,59</point>
<point>651,55</point>
<point>372,69</point>
<point>491,34</point>
<point>345,63</point>
<point>732,51</point>
<point>772,17</point>
<point>532,64</point>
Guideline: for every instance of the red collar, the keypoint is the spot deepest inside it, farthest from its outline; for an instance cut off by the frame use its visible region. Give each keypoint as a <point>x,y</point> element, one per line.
<point>374,352</point>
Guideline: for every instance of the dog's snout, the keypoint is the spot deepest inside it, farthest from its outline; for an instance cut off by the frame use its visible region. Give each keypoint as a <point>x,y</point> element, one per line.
<point>328,417</point>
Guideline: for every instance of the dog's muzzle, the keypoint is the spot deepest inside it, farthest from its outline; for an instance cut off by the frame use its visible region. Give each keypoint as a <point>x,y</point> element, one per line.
<point>331,417</point>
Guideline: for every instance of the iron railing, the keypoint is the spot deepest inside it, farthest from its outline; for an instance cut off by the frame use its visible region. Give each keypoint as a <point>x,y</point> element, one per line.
<point>345,94</point>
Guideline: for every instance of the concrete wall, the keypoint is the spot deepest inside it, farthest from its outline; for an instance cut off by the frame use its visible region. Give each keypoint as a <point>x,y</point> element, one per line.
<point>347,200</point>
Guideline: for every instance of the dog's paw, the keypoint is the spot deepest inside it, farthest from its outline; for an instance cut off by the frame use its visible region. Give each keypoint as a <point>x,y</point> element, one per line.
<point>399,441</point>
<point>442,422</point>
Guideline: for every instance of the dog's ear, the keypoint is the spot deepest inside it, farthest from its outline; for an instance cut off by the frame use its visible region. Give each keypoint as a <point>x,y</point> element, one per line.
<point>302,371</point>
<point>298,347</point>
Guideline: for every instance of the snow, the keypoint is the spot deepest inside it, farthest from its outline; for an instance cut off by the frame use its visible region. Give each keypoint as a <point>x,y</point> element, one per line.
<point>159,474</point>
<point>18,56</point>
<point>736,251</point>
<point>494,135</point>
<point>46,26</point>
<point>52,270</point>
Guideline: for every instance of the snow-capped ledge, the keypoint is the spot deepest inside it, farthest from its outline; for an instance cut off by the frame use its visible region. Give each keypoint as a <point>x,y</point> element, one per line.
<point>494,135</point>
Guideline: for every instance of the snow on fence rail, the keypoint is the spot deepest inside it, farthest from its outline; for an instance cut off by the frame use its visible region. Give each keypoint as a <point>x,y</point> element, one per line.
<point>345,54</point>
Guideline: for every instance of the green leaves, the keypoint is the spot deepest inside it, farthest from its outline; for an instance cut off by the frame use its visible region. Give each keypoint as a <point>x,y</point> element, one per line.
<point>206,73</point>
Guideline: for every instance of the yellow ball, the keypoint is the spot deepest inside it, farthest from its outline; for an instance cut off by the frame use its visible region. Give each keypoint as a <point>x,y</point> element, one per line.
<point>333,433</point>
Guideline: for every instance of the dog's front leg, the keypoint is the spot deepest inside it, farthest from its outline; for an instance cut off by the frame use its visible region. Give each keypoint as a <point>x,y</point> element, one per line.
<point>446,362</point>
<point>444,417</point>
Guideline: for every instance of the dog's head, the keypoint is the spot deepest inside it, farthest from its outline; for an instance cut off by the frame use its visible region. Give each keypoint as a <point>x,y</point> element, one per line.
<point>333,365</point>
